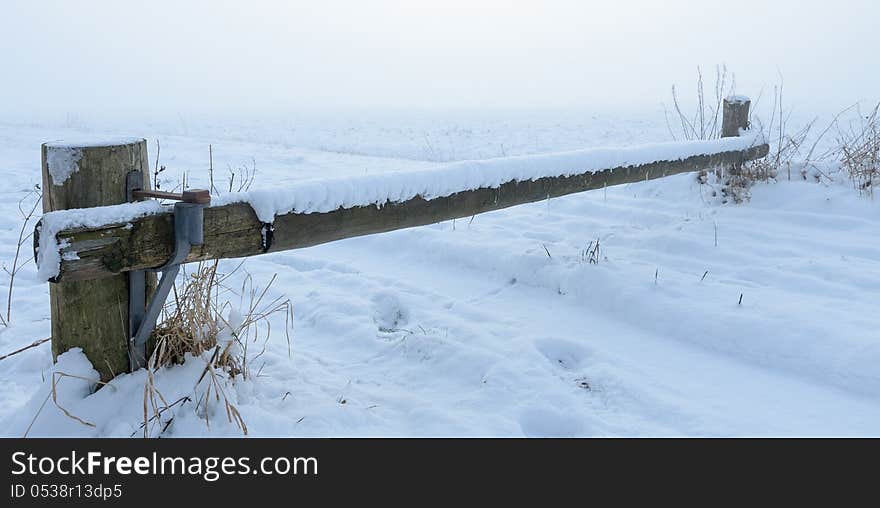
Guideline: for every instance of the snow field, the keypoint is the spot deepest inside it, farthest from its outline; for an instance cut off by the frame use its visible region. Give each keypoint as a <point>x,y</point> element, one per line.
<point>473,329</point>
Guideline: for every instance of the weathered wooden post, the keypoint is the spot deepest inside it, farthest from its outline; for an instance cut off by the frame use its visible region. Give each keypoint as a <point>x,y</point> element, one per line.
<point>735,115</point>
<point>92,314</point>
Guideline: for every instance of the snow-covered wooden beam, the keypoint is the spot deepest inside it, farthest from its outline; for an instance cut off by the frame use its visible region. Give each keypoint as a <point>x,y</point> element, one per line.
<point>100,242</point>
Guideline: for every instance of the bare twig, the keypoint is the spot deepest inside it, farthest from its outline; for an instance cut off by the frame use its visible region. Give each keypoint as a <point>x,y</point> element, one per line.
<point>29,346</point>
<point>26,215</point>
<point>705,122</point>
<point>159,413</point>
<point>56,376</point>
<point>158,169</point>
<point>859,151</point>
<point>211,168</point>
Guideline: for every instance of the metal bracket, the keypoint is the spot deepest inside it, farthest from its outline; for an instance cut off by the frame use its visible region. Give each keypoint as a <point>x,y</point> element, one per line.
<point>188,232</point>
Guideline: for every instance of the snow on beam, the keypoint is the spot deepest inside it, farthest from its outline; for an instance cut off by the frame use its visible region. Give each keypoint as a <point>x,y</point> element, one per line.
<point>72,245</point>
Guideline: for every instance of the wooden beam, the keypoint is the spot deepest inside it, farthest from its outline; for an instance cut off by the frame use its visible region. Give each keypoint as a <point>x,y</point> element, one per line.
<point>234,230</point>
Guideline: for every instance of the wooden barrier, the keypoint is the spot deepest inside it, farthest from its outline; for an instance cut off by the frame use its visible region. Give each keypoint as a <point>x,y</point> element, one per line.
<point>235,231</point>
<point>91,293</point>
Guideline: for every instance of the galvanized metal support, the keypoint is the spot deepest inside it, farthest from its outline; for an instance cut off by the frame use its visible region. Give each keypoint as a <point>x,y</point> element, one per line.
<point>188,231</point>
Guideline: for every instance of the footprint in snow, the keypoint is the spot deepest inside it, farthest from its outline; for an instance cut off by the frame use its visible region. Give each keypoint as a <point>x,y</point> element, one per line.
<point>388,313</point>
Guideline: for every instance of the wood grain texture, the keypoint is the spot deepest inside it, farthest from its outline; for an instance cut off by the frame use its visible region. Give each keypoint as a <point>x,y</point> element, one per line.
<point>234,230</point>
<point>735,116</point>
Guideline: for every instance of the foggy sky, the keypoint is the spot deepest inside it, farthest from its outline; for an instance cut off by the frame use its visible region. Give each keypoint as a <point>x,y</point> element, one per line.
<point>252,57</point>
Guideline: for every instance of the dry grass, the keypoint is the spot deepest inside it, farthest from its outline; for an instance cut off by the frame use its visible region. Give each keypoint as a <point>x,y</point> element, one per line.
<point>788,147</point>
<point>190,324</point>
<point>200,321</point>
<point>53,395</point>
<point>197,325</point>
<point>592,253</point>
<point>705,121</point>
<point>859,151</point>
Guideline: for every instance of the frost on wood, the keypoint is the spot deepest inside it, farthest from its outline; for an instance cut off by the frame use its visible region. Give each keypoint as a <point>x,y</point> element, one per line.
<point>321,211</point>
<point>62,161</point>
<point>50,252</point>
<point>62,157</point>
<point>331,194</point>
<point>738,99</point>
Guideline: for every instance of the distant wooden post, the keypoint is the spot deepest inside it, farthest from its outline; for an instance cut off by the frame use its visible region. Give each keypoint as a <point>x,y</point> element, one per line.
<point>92,314</point>
<point>736,116</point>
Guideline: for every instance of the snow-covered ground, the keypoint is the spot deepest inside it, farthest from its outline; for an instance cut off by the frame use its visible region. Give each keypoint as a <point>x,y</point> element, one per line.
<point>500,326</point>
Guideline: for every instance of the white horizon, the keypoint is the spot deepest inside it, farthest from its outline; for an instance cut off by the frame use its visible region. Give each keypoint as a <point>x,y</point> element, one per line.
<point>103,59</point>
